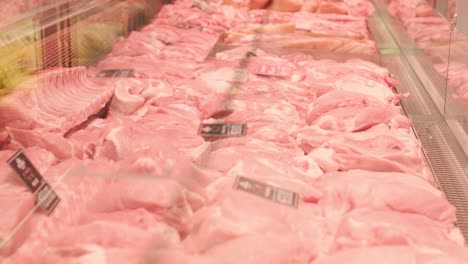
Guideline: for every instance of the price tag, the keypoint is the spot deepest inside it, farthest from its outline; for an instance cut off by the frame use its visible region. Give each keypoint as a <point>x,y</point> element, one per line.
<point>115,73</point>
<point>202,7</point>
<point>223,130</point>
<point>266,191</point>
<point>45,196</point>
<point>274,70</point>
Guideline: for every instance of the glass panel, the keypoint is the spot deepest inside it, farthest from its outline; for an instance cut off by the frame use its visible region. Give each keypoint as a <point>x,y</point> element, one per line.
<point>425,42</point>
<point>456,111</point>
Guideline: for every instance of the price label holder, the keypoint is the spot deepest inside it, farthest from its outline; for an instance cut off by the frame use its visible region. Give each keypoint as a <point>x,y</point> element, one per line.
<point>269,192</point>
<point>115,73</point>
<point>274,70</point>
<point>45,195</point>
<point>202,7</point>
<point>222,130</point>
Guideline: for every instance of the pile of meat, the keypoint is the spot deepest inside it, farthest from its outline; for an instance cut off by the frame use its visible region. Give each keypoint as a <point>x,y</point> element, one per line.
<point>326,32</point>
<point>138,184</point>
<point>345,7</point>
<point>332,32</point>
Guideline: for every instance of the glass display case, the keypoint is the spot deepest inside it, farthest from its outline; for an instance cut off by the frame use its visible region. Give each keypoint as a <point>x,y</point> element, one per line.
<point>137,131</point>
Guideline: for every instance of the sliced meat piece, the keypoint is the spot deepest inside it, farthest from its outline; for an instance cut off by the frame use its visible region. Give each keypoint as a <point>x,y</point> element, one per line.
<point>402,192</point>
<point>352,111</point>
<point>53,142</point>
<point>232,214</point>
<point>131,94</point>
<point>75,189</point>
<point>283,248</point>
<point>100,242</point>
<point>161,196</point>
<point>390,255</point>
<point>363,228</point>
<point>44,103</point>
<point>385,152</point>
<point>16,203</point>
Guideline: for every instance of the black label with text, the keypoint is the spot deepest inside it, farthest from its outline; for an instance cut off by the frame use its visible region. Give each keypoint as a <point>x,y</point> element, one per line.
<point>203,8</point>
<point>223,130</point>
<point>115,73</point>
<point>45,196</point>
<point>266,191</point>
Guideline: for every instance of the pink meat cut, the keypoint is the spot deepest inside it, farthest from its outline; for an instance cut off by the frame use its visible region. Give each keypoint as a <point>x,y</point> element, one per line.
<point>232,214</point>
<point>131,94</point>
<point>100,238</point>
<point>390,255</point>
<point>131,137</point>
<point>386,151</point>
<point>74,192</point>
<point>400,192</point>
<point>15,199</point>
<point>54,142</point>
<point>352,112</point>
<point>364,228</point>
<point>282,249</point>
<point>353,75</point>
<point>45,102</point>
<point>162,197</point>
<point>15,202</point>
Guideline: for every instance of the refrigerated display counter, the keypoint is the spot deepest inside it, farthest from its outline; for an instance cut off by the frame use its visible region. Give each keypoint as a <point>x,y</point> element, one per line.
<point>314,132</point>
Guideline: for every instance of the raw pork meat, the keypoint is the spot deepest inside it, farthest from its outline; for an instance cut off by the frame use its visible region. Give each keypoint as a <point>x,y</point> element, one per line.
<point>130,95</point>
<point>16,200</point>
<point>282,249</point>
<point>74,193</point>
<point>388,151</point>
<point>233,214</point>
<point>402,192</point>
<point>44,103</point>
<point>100,238</point>
<point>140,185</point>
<point>390,255</point>
<point>16,204</point>
<point>351,112</point>
<point>163,197</point>
<point>61,147</point>
<point>362,228</point>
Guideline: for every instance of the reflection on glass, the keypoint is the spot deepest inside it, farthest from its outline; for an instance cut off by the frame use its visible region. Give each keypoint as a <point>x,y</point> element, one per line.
<point>451,8</point>
<point>456,111</point>
<point>431,34</point>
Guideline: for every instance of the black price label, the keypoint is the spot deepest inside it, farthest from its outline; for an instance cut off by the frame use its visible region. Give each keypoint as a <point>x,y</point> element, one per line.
<point>45,196</point>
<point>266,191</point>
<point>115,73</point>
<point>223,130</point>
<point>202,7</point>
